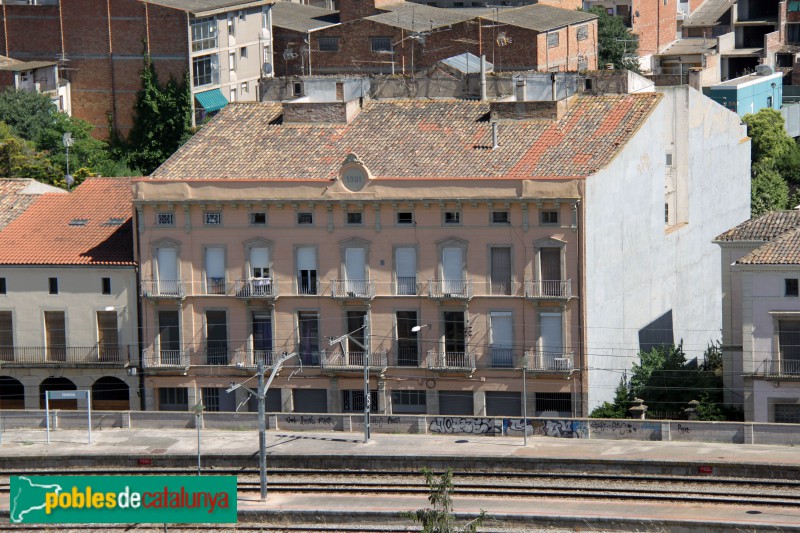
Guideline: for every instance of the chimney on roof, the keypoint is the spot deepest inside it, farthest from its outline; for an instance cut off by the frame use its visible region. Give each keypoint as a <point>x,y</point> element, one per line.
<point>323,106</point>
<point>519,90</point>
<point>495,140</point>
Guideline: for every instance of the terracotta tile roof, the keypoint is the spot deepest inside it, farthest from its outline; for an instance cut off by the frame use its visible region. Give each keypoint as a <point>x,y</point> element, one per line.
<point>784,250</point>
<point>16,195</point>
<point>419,138</point>
<point>764,228</point>
<point>90,226</point>
<point>539,17</point>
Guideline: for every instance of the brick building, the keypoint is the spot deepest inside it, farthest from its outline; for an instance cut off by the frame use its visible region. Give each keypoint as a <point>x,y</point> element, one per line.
<point>383,37</point>
<point>99,46</point>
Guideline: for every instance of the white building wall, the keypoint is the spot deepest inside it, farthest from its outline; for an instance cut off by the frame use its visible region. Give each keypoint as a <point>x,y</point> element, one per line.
<point>636,271</point>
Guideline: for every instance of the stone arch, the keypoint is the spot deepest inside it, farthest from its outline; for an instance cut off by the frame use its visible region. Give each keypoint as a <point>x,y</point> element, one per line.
<point>12,393</point>
<point>57,384</point>
<point>110,394</point>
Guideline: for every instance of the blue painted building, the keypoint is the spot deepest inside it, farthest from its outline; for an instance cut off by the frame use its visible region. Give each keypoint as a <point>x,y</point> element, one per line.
<point>749,94</point>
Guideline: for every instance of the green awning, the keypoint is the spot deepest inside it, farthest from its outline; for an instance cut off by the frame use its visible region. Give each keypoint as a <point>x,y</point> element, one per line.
<point>212,100</point>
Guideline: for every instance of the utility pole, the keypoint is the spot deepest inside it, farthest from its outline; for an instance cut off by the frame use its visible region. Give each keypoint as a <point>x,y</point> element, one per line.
<point>365,347</point>
<point>261,394</point>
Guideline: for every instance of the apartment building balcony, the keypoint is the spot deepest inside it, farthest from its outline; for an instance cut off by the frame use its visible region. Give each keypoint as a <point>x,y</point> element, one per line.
<point>163,289</point>
<point>353,289</point>
<point>155,358</point>
<point>502,358</point>
<point>782,369</point>
<point>256,288</point>
<point>96,355</point>
<point>354,361</point>
<point>408,357</point>
<point>450,289</point>
<point>548,290</point>
<point>406,286</point>
<point>451,361</point>
<point>549,362</point>
<point>251,358</point>
<point>215,286</point>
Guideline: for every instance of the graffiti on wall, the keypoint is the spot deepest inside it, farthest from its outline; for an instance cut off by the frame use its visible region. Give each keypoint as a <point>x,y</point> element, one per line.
<point>472,426</point>
<point>565,429</point>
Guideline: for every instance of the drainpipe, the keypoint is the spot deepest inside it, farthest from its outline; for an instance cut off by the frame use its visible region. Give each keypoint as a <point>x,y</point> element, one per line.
<point>308,39</point>
<point>483,77</point>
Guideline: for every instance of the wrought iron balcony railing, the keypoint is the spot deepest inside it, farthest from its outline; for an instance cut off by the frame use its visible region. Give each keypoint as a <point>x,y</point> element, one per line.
<point>255,288</point>
<point>353,360</point>
<point>97,355</point>
<point>462,361</point>
<point>455,289</point>
<point>345,289</point>
<point>548,289</point>
<point>153,288</point>
<point>558,362</point>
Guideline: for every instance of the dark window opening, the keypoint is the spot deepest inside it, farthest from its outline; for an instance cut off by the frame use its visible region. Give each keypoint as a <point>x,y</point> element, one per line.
<point>106,285</point>
<point>53,285</point>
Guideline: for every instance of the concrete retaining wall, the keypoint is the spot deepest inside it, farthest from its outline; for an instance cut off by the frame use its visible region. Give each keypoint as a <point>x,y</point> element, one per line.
<point>572,428</point>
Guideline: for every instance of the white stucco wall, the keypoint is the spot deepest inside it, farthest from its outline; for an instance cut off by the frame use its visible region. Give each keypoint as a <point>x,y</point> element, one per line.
<point>635,270</point>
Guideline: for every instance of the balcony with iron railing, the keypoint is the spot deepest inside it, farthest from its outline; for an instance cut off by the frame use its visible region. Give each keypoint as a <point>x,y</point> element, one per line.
<point>550,362</point>
<point>407,356</point>
<point>501,357</point>
<point>168,289</point>
<point>349,289</point>
<point>97,355</point>
<point>450,289</point>
<point>307,286</point>
<point>251,358</point>
<point>156,358</point>
<point>451,361</point>
<point>354,361</point>
<point>256,288</point>
<point>548,289</point>
<point>782,368</point>
<point>406,286</point>
<point>215,286</point>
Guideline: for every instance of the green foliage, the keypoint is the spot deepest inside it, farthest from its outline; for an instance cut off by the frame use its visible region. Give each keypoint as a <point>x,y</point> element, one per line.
<point>709,410</point>
<point>619,408</point>
<point>616,43</point>
<point>769,191</point>
<point>439,518</point>
<point>162,120</point>
<point>28,113</point>
<point>769,139</point>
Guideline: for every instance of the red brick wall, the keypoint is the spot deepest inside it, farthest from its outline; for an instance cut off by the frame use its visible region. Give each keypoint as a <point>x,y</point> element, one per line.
<point>524,50</point>
<point>656,24</point>
<point>98,91</point>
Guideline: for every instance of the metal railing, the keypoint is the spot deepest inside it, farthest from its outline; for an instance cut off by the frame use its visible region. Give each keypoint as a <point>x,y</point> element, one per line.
<point>216,286</point>
<point>307,286</point>
<point>451,360</point>
<point>353,360</point>
<point>407,356</point>
<point>548,289</point>
<point>549,361</point>
<point>309,357</point>
<point>782,367</point>
<point>457,289</point>
<point>406,286</point>
<point>501,357</point>
<point>153,288</point>
<point>352,288</point>
<point>251,358</point>
<point>154,358</point>
<point>256,288</point>
<point>71,355</point>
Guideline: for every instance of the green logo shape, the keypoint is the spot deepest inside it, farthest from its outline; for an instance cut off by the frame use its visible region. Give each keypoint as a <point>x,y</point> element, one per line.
<point>123,500</point>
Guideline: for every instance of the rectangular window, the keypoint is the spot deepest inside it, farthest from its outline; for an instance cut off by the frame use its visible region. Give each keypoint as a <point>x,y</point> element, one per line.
<point>791,287</point>
<point>242,15</point>
<point>169,337</point>
<point>306,270</point>
<point>583,32</point>
<point>355,218</point>
<point>455,338</point>
<point>552,40</point>
<point>501,339</point>
<point>259,263</point>
<point>407,340</point>
<point>243,52</point>
<point>787,413</point>
<point>501,270</point>
<point>353,401</point>
<point>245,87</point>
<point>668,159</point>
<point>550,217</point>
<point>231,25</point>
<point>553,403</point>
<point>452,217</point>
<point>328,44</point>
<point>308,333</point>
<point>500,217</point>
<point>405,217</point>
<point>215,270</point>
<point>55,335</point>
<point>165,219</point>
<point>173,399</point>
<point>203,70</point>
<point>793,6</point>
<point>381,44</point>
<point>2,285</point>
<point>106,286</point>
<point>357,325</point>
<point>6,336</point>
<point>405,264</point>
<point>232,97</point>
<point>212,219</point>
<point>258,219</point>
<point>262,336</point>
<point>107,336</point>
<point>216,338</point>
<point>305,218</point>
<point>211,399</point>
<point>204,34</point>
<point>409,402</point>
<point>53,285</point>
<point>232,61</point>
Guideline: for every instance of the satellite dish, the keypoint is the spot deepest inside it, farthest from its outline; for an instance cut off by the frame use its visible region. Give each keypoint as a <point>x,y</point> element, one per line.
<point>66,139</point>
<point>267,68</point>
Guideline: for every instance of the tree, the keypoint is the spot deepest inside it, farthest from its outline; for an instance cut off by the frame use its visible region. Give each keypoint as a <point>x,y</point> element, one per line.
<point>28,113</point>
<point>162,120</point>
<point>768,191</point>
<point>617,409</point>
<point>769,140</point>
<point>616,43</point>
<point>440,518</point>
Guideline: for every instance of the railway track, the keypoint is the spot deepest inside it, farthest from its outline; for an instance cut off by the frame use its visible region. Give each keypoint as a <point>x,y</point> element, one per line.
<point>519,485</point>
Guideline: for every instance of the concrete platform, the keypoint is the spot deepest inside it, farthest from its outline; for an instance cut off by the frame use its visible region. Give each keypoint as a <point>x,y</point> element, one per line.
<point>21,449</point>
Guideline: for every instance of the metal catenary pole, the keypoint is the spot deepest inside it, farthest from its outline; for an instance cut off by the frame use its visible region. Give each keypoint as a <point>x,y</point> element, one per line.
<point>262,431</point>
